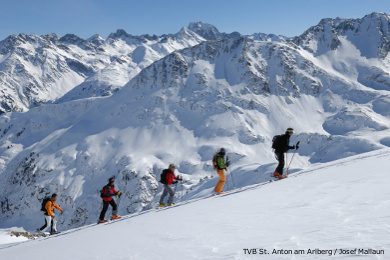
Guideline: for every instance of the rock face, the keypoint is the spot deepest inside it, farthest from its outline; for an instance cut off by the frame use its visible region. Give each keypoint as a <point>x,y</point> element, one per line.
<point>177,99</point>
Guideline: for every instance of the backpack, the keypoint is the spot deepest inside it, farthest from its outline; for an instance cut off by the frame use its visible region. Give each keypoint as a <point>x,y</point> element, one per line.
<point>163,176</point>
<point>276,142</point>
<point>43,205</point>
<point>215,161</point>
<point>103,192</point>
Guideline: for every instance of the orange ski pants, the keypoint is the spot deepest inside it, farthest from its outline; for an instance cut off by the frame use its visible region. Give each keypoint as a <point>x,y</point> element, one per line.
<point>221,182</point>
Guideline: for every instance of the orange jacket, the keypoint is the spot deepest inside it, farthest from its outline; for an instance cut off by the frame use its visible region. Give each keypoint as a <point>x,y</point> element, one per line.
<point>50,207</point>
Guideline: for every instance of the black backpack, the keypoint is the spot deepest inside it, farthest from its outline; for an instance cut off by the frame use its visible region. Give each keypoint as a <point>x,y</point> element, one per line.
<point>163,176</point>
<point>276,141</point>
<point>44,201</point>
<point>103,192</point>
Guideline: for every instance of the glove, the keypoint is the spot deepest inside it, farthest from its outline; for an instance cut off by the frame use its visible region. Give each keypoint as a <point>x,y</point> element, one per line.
<point>179,178</point>
<point>227,163</point>
<point>62,212</point>
<point>174,181</point>
<point>119,193</point>
<point>53,217</point>
<point>297,147</point>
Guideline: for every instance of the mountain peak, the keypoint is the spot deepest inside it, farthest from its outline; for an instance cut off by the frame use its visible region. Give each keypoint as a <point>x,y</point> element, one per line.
<point>378,14</point>
<point>120,33</point>
<point>210,32</point>
<point>71,39</point>
<point>207,31</point>
<point>53,37</point>
<point>96,39</point>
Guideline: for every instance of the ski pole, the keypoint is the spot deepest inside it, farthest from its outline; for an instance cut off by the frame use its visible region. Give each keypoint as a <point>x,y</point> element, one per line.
<point>231,177</point>
<point>226,179</point>
<point>231,174</point>
<point>177,196</point>
<point>119,197</point>
<point>286,164</point>
<point>181,186</point>
<point>176,186</point>
<point>181,191</point>
<point>60,222</point>
<point>292,156</point>
<point>119,201</point>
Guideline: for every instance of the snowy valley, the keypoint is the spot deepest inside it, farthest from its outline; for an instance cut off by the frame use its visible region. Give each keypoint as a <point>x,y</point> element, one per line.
<point>76,112</point>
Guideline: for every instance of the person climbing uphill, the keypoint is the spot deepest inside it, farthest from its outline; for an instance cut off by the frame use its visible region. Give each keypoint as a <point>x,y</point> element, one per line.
<point>107,193</point>
<point>281,144</point>
<point>167,179</point>
<point>50,221</point>
<point>220,166</point>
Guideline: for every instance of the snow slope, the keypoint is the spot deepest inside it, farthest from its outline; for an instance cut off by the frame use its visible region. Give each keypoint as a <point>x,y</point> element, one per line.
<point>236,93</point>
<point>333,207</point>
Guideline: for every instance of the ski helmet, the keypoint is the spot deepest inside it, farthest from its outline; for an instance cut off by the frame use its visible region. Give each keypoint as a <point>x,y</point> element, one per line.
<point>290,130</point>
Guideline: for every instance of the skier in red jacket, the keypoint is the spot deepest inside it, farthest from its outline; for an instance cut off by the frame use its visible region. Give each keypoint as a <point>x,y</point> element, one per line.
<point>168,179</point>
<point>107,193</point>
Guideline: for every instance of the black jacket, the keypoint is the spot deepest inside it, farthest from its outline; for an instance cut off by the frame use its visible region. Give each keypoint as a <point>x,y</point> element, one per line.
<point>283,144</point>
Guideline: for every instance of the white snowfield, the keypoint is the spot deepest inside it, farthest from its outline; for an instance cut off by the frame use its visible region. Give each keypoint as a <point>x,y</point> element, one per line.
<point>336,210</point>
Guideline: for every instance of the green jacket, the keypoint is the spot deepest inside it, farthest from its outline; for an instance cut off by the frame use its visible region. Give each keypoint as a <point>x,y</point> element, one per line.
<point>221,162</point>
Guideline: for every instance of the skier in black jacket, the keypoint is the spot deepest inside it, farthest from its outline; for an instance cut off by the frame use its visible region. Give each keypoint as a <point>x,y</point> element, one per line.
<point>282,145</point>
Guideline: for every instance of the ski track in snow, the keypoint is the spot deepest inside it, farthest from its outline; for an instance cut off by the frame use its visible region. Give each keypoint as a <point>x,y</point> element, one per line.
<point>340,205</point>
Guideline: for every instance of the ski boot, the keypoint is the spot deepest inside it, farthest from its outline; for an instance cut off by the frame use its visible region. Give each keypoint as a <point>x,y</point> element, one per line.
<point>102,221</point>
<point>163,205</point>
<point>39,232</point>
<point>173,204</point>
<point>115,217</point>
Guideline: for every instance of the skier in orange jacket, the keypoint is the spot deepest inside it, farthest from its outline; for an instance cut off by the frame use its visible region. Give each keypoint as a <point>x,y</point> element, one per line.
<point>50,216</point>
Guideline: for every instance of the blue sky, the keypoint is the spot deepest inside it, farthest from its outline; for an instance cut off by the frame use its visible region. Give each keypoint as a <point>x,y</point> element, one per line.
<point>87,17</point>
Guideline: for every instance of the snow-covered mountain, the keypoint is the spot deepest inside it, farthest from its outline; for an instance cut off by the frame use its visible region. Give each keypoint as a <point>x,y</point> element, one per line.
<point>52,68</point>
<point>235,92</point>
<point>34,70</point>
<point>129,55</point>
<point>38,69</point>
<point>370,35</point>
<point>336,210</point>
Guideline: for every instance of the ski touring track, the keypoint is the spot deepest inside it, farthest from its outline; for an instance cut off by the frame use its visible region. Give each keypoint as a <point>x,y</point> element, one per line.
<point>299,173</point>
